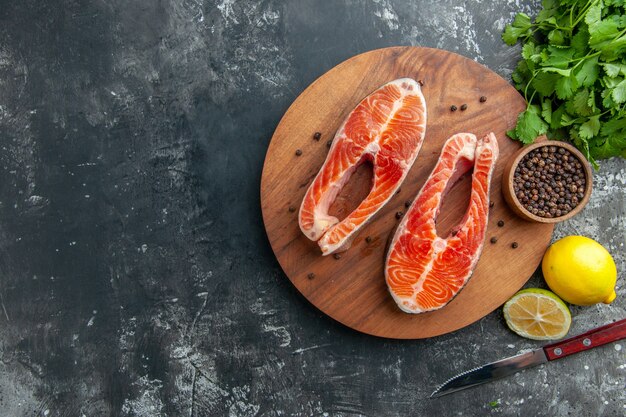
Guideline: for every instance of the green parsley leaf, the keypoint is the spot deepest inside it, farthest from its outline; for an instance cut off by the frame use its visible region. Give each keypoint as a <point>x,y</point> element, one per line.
<point>521,25</point>
<point>613,70</point>
<point>511,34</point>
<point>615,49</point>
<point>565,87</point>
<point>567,120</point>
<point>545,82</point>
<point>619,92</point>
<point>607,98</point>
<point>580,41</point>
<point>531,53</point>
<point>521,75</point>
<point>522,20</point>
<point>614,2</point>
<point>588,72</point>
<point>550,4</point>
<point>611,82</point>
<point>549,10</point>
<point>530,125</point>
<point>591,101</point>
<point>594,14</point>
<point>559,57</point>
<point>557,115</point>
<point>613,126</point>
<point>546,110</point>
<point>528,50</point>
<point>612,146</point>
<point>590,128</point>
<point>511,133</point>
<point>602,34</point>
<point>579,104</point>
<point>556,37</point>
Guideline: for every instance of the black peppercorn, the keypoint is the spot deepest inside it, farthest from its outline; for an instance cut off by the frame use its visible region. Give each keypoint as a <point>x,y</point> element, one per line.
<point>311,275</point>
<point>493,239</point>
<point>453,108</point>
<point>368,239</point>
<point>399,214</point>
<point>298,152</point>
<point>292,209</point>
<point>546,176</point>
<point>483,99</point>
<point>337,256</point>
<point>500,223</point>
<point>463,107</point>
<point>317,136</point>
<point>514,245</point>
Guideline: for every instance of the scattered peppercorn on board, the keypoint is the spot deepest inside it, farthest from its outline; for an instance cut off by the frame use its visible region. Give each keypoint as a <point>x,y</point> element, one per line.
<point>461,96</point>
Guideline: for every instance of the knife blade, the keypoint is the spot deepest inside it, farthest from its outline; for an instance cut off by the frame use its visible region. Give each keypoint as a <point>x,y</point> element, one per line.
<point>486,373</point>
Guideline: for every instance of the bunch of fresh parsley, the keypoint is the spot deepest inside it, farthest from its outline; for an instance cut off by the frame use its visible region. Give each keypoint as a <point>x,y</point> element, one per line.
<point>573,75</point>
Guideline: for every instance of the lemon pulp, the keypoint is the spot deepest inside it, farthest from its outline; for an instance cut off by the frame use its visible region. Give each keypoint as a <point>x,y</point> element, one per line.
<point>537,314</point>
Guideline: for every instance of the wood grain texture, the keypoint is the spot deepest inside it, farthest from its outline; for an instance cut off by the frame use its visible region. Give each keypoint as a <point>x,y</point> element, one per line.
<point>352,289</point>
<point>593,338</point>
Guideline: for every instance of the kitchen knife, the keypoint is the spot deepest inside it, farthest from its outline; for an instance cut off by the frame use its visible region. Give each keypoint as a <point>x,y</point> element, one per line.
<point>487,373</point>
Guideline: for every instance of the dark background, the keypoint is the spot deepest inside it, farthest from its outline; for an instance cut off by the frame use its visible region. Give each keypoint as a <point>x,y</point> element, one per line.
<point>135,275</point>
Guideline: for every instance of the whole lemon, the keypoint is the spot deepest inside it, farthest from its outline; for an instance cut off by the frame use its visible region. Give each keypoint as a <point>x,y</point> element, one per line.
<point>580,271</point>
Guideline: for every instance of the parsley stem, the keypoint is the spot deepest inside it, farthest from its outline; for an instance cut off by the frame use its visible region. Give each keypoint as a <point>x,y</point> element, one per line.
<point>528,85</point>
<point>531,99</point>
<point>583,13</point>
<point>619,35</point>
<point>582,59</point>
<point>544,25</point>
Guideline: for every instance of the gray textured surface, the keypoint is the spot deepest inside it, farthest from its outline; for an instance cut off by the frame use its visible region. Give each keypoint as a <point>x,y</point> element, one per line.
<point>135,275</point>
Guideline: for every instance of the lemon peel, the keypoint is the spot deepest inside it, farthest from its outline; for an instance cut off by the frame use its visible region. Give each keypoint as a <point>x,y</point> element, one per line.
<point>580,271</point>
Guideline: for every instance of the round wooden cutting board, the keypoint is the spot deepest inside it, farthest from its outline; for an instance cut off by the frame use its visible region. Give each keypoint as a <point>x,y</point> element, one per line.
<point>352,289</point>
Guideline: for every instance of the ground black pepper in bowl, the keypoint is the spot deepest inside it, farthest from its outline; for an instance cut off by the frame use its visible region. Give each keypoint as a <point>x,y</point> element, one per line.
<point>549,181</point>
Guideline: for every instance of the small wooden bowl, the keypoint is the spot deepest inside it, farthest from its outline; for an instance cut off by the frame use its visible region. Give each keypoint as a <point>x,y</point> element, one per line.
<point>509,172</point>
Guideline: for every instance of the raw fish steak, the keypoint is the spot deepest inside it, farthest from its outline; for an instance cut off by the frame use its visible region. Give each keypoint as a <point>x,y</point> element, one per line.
<point>424,271</point>
<point>386,128</point>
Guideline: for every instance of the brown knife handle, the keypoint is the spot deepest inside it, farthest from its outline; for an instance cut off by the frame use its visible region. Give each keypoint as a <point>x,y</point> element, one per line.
<point>593,338</point>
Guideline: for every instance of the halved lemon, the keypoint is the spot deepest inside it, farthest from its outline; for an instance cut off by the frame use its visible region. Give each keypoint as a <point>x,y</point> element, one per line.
<point>537,314</point>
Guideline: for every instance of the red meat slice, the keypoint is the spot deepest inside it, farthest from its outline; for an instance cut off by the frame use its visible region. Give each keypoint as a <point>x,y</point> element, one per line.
<point>424,271</point>
<point>386,128</point>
